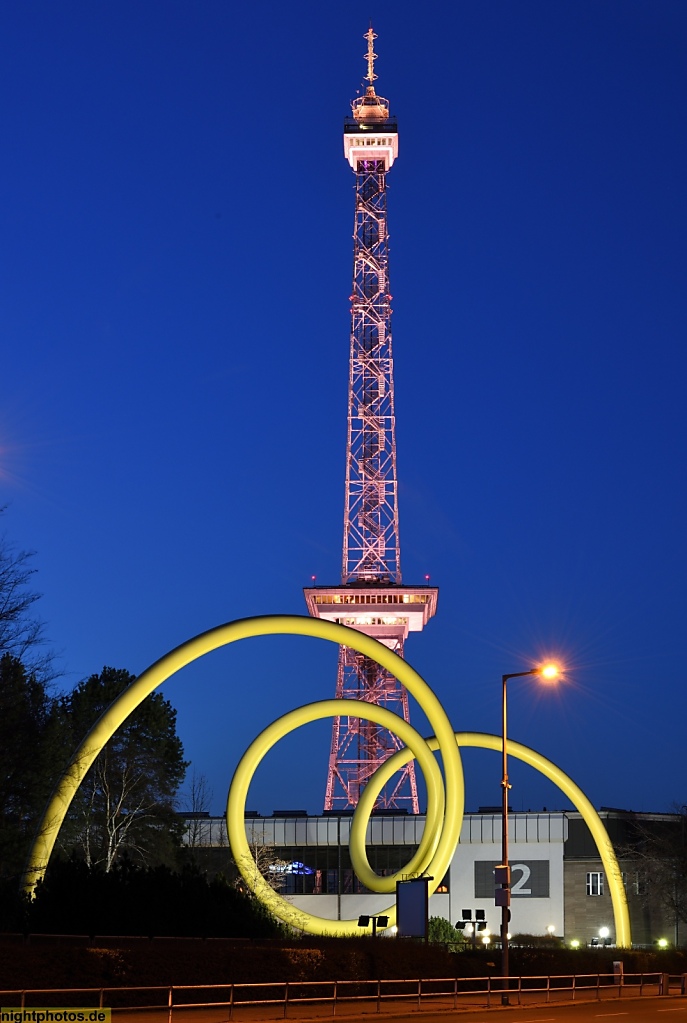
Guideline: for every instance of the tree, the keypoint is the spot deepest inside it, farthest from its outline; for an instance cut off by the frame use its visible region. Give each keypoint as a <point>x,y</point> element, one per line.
<point>268,866</point>
<point>659,854</point>
<point>143,900</point>
<point>30,751</point>
<point>441,929</point>
<point>197,798</point>
<point>21,634</point>
<point>31,755</point>
<point>126,803</point>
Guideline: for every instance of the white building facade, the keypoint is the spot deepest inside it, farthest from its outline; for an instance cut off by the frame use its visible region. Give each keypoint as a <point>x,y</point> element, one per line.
<point>312,855</point>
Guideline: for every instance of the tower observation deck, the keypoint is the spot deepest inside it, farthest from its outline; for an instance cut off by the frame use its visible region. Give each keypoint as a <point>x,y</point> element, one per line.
<point>371,596</point>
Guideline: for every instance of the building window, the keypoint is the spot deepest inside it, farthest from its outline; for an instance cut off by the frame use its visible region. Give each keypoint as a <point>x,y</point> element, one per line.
<point>443,888</point>
<point>595,882</point>
<point>636,883</point>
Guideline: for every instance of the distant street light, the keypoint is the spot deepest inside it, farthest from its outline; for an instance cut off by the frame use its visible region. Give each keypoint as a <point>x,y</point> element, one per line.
<point>550,672</point>
<point>381,921</point>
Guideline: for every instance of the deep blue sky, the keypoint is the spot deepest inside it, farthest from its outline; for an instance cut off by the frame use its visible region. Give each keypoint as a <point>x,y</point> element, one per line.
<point>176,222</point>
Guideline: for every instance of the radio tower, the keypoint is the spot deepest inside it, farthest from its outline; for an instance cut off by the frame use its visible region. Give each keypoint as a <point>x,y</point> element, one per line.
<point>371,597</point>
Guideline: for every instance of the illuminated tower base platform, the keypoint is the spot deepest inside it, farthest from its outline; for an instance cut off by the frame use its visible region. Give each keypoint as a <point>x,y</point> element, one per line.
<point>387,612</point>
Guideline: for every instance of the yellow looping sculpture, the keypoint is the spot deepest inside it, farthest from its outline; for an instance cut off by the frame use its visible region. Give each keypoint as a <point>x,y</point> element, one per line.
<point>445,800</point>
<point>441,841</point>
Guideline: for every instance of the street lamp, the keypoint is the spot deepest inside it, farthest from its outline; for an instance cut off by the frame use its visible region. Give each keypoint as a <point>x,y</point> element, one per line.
<point>502,873</point>
<point>381,921</point>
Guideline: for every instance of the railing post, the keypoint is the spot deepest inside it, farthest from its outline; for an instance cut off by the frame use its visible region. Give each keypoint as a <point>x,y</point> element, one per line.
<point>169,1005</point>
<point>334,999</point>
<point>548,988</point>
<point>683,984</point>
<point>379,996</point>
<point>598,987</point>
<point>664,985</point>
<point>231,1001</point>
<point>286,997</point>
<point>419,993</point>
<point>574,986</point>
<point>455,992</point>
<point>101,1001</point>
<point>489,992</point>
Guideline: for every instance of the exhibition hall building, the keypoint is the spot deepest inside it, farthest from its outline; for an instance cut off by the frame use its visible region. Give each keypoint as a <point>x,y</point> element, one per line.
<point>558,886</point>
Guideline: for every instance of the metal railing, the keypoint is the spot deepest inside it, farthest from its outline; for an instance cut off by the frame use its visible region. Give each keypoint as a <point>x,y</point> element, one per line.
<point>378,995</point>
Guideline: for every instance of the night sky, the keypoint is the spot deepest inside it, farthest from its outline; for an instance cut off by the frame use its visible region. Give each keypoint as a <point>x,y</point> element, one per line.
<point>176,264</point>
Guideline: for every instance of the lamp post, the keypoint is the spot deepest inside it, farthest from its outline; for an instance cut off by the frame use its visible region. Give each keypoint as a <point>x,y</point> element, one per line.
<point>502,874</point>
<point>376,921</point>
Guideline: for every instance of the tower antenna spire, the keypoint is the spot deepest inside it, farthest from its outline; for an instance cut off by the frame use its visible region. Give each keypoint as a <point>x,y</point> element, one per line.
<point>370,56</point>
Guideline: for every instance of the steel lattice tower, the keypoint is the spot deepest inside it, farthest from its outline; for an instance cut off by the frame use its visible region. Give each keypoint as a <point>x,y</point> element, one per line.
<point>371,596</point>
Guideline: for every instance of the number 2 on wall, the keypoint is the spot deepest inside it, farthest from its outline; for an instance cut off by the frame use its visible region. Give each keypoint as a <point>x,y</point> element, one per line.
<point>518,888</point>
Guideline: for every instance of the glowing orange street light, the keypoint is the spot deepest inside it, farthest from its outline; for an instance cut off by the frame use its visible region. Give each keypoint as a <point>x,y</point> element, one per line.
<point>550,672</point>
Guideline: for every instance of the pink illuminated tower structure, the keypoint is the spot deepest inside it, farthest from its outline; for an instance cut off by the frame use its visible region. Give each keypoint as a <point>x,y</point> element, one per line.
<point>371,597</point>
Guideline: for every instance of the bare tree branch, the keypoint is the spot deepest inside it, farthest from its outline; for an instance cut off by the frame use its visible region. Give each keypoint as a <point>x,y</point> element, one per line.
<point>21,634</point>
<point>197,802</point>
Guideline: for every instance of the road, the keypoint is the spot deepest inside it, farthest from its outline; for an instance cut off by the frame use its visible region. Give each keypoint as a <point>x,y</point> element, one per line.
<point>641,1010</point>
<point>636,1010</point>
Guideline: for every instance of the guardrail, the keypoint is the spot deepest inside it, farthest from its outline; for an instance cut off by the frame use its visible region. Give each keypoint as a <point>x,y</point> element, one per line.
<point>427,993</point>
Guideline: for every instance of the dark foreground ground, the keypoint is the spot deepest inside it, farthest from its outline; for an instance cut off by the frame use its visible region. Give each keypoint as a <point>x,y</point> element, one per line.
<point>52,962</point>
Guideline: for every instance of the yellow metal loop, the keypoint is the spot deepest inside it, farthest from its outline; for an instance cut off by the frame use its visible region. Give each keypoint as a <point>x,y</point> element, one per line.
<point>422,862</point>
<point>238,792</point>
<point>482,740</point>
